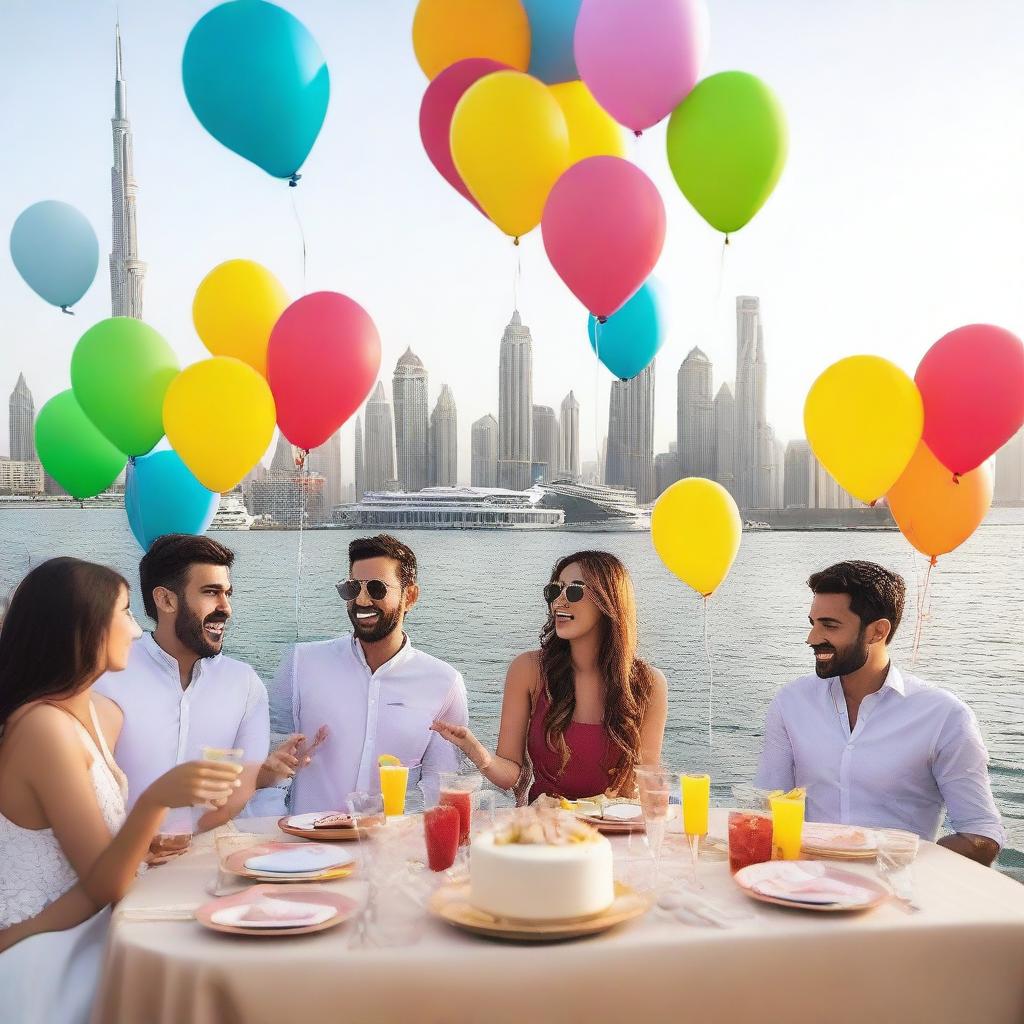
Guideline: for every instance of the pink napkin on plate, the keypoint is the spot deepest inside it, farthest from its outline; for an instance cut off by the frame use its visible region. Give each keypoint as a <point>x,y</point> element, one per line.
<point>807,883</point>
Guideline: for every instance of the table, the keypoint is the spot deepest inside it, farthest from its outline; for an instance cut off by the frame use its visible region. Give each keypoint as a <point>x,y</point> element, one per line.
<point>960,959</point>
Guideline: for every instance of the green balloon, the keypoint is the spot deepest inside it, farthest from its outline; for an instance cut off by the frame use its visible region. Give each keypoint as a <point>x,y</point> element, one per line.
<point>120,370</point>
<point>727,146</point>
<point>73,451</point>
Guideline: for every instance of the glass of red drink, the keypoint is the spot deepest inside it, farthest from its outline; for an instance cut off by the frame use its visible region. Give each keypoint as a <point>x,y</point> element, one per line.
<point>750,839</point>
<point>464,793</point>
<point>441,830</point>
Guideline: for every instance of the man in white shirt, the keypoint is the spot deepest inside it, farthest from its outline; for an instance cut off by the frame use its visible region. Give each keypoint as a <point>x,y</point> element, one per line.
<point>179,693</point>
<point>872,745</point>
<point>372,690</point>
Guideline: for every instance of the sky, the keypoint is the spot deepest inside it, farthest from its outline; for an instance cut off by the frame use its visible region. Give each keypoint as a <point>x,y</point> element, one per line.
<point>898,216</point>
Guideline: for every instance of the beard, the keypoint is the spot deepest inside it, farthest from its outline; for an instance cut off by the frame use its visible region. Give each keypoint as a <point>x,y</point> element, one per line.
<point>387,622</point>
<point>188,628</point>
<point>844,661</point>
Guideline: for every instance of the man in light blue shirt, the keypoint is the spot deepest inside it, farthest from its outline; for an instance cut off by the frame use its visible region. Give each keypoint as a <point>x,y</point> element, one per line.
<point>874,746</point>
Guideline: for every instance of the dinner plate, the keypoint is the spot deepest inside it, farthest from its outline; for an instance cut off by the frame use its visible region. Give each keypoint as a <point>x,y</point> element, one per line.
<point>343,906</point>
<point>615,826</point>
<point>451,904</point>
<point>301,825</point>
<point>838,842</point>
<point>756,881</point>
<point>235,863</point>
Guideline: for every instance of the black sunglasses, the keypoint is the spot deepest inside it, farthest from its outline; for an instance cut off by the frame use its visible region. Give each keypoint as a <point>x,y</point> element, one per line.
<point>573,591</point>
<point>377,589</point>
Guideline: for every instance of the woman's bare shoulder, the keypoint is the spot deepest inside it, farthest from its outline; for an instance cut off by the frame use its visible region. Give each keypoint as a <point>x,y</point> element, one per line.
<point>524,671</point>
<point>110,715</point>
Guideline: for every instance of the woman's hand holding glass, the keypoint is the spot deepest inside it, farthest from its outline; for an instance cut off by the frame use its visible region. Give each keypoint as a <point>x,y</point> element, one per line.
<point>192,783</point>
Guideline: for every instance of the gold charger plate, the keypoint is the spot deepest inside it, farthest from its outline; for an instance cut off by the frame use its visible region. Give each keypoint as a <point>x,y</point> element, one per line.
<point>451,904</point>
<point>343,906</point>
<point>235,863</point>
<point>875,893</point>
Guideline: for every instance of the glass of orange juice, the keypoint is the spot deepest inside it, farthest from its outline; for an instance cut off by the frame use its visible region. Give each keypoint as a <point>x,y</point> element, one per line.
<point>394,780</point>
<point>695,791</point>
<point>787,824</point>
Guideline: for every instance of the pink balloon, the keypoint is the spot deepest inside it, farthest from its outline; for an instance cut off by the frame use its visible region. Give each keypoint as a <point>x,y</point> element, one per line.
<point>322,360</point>
<point>972,384</point>
<point>438,106</point>
<point>603,228</point>
<point>640,58</point>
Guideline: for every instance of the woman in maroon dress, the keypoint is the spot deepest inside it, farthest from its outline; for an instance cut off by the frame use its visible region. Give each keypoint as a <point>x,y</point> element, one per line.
<point>584,710</point>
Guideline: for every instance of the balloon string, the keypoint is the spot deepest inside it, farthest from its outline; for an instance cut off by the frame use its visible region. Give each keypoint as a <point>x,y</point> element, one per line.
<point>300,473</point>
<point>517,278</point>
<point>601,469</point>
<point>923,601</point>
<point>711,674</point>
<point>302,236</point>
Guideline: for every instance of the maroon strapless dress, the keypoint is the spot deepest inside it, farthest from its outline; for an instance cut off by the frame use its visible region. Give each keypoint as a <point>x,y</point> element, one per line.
<point>590,756</point>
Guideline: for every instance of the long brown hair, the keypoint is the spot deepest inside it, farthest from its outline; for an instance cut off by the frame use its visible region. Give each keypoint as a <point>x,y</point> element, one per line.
<point>54,629</point>
<point>628,680</point>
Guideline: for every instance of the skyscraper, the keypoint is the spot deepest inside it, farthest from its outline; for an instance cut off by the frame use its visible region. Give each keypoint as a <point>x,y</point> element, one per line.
<point>444,441</point>
<point>515,406</point>
<point>545,443</point>
<point>569,438</point>
<point>484,452</point>
<point>360,465</point>
<point>666,468</point>
<point>695,434</point>
<point>22,413</point>
<point>380,442</point>
<point>801,476</point>
<point>1009,485</point>
<point>409,388</point>
<point>754,456</point>
<point>283,460</point>
<point>724,414</point>
<point>326,461</point>
<point>127,271</point>
<point>630,453</point>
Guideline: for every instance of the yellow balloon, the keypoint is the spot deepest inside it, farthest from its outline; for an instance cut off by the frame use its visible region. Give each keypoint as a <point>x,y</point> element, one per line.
<point>592,130</point>
<point>863,418</point>
<point>446,31</point>
<point>235,309</point>
<point>219,417</point>
<point>510,144</point>
<point>696,530</point>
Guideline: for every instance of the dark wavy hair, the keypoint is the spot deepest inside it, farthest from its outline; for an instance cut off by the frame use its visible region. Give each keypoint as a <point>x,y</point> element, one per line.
<point>628,680</point>
<point>168,560</point>
<point>875,592</point>
<point>54,630</point>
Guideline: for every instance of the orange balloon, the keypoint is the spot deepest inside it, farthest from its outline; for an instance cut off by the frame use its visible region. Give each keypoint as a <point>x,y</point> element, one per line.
<point>934,511</point>
<point>446,31</point>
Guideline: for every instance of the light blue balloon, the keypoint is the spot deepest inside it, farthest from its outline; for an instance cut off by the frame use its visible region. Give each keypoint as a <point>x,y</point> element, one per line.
<point>162,496</point>
<point>55,250</point>
<point>630,338</point>
<point>257,81</point>
<point>552,27</point>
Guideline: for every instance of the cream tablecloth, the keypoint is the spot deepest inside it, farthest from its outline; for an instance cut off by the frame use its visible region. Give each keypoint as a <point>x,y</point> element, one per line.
<point>960,959</point>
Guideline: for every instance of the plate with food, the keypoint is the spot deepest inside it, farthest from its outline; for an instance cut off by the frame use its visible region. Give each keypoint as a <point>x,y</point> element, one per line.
<point>267,911</point>
<point>290,862</point>
<point>322,826</point>
<point>611,815</point>
<point>810,885</point>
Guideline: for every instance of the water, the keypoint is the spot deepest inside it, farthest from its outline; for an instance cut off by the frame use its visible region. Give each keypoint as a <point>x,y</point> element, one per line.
<point>481,604</point>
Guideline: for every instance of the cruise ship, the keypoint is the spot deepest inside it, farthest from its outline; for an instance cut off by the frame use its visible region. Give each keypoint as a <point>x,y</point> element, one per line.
<point>597,508</point>
<point>231,515</point>
<point>451,508</point>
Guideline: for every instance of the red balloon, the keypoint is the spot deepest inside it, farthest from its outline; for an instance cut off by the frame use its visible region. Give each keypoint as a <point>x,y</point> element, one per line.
<point>972,384</point>
<point>322,360</point>
<point>438,106</point>
<point>603,227</point>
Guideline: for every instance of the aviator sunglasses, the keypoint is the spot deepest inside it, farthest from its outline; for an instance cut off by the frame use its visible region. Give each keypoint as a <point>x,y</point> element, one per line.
<point>573,591</point>
<point>377,589</point>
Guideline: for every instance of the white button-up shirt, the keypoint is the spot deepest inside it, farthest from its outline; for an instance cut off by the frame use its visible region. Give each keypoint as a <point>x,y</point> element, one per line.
<point>367,714</point>
<point>915,748</point>
<point>224,705</point>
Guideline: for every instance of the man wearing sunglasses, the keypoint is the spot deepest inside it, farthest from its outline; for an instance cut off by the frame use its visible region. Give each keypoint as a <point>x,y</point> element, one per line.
<point>370,692</point>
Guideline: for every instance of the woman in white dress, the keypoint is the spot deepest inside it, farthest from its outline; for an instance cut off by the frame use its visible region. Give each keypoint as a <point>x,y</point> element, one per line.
<point>67,848</point>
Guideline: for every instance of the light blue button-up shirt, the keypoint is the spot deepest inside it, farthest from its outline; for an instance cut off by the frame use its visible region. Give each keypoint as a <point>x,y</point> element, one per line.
<point>915,750</point>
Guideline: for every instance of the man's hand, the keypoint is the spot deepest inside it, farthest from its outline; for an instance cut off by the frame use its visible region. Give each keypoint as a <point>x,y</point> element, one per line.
<point>291,756</point>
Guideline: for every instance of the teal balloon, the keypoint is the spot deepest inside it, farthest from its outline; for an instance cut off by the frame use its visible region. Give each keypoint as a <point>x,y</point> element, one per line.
<point>55,250</point>
<point>257,81</point>
<point>630,338</point>
<point>73,451</point>
<point>120,371</point>
<point>552,28</point>
<point>162,496</point>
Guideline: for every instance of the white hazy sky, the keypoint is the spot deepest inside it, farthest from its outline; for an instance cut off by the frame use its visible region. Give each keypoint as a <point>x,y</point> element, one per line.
<point>898,217</point>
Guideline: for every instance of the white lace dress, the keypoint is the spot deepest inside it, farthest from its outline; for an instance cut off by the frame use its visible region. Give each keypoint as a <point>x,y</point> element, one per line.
<point>52,977</point>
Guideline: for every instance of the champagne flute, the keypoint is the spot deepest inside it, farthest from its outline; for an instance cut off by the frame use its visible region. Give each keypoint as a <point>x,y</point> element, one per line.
<point>655,784</point>
<point>695,791</point>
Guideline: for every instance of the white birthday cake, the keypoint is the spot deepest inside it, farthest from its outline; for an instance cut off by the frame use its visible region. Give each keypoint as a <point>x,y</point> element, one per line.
<point>542,866</point>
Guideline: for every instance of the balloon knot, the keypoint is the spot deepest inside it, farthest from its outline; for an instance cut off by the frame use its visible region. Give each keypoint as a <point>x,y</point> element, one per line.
<point>637,132</point>
<point>64,309</point>
<point>726,239</point>
<point>873,503</point>
<point>602,319</point>
<point>293,181</point>
<point>934,560</point>
<point>956,479</point>
<point>515,241</point>
<point>131,460</point>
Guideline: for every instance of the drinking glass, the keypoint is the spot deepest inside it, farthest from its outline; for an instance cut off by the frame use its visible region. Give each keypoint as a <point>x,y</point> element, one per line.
<point>367,810</point>
<point>228,755</point>
<point>895,854</point>
<point>174,836</point>
<point>465,793</point>
<point>441,830</point>
<point>750,839</point>
<point>655,784</point>
<point>227,840</point>
<point>695,791</point>
<point>787,826</point>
